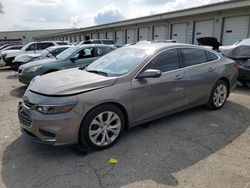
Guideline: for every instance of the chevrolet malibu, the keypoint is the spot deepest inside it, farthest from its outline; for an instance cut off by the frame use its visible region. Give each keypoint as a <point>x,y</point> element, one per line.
<point>125,88</point>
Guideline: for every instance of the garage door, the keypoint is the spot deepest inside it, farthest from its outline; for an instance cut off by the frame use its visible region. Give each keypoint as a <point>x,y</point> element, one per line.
<point>179,32</point>
<point>131,36</point>
<point>160,32</point>
<point>119,37</point>
<point>101,35</point>
<point>235,28</point>
<point>94,36</point>
<point>203,29</point>
<point>110,35</point>
<point>144,33</point>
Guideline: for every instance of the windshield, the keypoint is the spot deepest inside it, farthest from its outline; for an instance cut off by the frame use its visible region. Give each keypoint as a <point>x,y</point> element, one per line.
<point>45,52</point>
<point>118,62</point>
<point>67,53</point>
<point>243,42</point>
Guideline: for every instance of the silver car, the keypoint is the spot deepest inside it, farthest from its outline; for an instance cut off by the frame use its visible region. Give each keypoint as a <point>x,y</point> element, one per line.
<point>125,88</point>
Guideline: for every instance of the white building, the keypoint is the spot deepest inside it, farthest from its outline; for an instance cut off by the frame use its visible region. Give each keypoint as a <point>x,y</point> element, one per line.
<point>26,36</point>
<point>227,21</point>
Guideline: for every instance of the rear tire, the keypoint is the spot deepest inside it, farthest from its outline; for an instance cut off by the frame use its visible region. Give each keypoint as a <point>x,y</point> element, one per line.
<point>218,95</point>
<point>102,127</point>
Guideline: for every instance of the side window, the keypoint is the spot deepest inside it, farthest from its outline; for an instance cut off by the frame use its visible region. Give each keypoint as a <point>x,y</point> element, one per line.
<point>42,46</point>
<point>32,47</point>
<point>192,56</point>
<point>165,61</point>
<point>57,51</point>
<point>96,42</point>
<point>86,42</point>
<point>211,56</point>
<point>85,53</point>
<point>103,50</point>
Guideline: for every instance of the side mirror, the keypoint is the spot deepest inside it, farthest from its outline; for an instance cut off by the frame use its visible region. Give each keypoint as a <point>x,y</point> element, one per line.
<point>150,73</point>
<point>73,59</point>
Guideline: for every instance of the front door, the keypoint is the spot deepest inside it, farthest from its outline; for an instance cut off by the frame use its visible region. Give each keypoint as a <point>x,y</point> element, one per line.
<point>154,96</point>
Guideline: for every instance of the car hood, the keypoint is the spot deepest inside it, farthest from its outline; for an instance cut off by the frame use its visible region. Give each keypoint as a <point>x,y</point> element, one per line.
<point>40,62</point>
<point>236,51</point>
<point>26,57</point>
<point>14,53</point>
<point>69,82</point>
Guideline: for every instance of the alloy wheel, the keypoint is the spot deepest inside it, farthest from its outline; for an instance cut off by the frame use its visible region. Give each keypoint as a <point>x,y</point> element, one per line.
<point>220,95</point>
<point>105,128</point>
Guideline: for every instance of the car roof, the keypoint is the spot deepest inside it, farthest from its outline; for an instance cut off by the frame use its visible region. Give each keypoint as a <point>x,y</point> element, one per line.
<point>60,46</point>
<point>93,45</point>
<point>161,46</point>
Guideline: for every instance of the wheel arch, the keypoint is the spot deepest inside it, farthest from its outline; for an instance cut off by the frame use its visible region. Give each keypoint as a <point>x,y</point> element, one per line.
<point>225,79</point>
<point>118,105</point>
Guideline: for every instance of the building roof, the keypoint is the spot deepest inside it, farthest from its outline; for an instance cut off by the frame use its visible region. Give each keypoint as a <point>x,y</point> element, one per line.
<point>225,5</point>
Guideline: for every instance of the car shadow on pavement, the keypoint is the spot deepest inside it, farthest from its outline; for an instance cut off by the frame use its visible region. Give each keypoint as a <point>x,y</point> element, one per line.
<point>167,146</point>
<point>19,91</point>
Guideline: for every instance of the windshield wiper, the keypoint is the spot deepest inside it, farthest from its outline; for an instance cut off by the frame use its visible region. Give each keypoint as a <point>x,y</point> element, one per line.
<point>83,67</point>
<point>98,72</point>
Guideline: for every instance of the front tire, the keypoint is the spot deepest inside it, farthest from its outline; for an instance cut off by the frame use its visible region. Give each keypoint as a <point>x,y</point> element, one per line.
<point>102,127</point>
<point>218,95</point>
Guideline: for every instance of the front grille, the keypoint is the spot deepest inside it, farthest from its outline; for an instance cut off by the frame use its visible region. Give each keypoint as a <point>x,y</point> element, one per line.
<point>24,118</point>
<point>28,104</point>
<point>29,133</point>
<point>47,133</point>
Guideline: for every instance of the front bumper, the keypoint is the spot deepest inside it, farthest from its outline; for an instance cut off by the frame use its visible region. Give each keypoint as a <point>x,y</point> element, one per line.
<point>57,129</point>
<point>24,77</point>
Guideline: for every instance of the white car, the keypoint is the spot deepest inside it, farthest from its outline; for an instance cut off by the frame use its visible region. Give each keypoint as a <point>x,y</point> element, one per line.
<point>6,49</point>
<point>30,48</point>
<point>240,49</point>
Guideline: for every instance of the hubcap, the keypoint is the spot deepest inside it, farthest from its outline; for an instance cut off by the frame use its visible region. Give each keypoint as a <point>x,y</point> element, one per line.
<point>220,95</point>
<point>105,128</point>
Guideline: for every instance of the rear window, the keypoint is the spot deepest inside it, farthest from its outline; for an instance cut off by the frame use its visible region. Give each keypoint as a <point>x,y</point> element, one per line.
<point>211,56</point>
<point>61,43</point>
<point>192,56</point>
<point>109,42</point>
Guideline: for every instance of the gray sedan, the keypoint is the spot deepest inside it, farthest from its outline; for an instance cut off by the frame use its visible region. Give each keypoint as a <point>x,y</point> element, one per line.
<point>75,56</point>
<point>125,88</point>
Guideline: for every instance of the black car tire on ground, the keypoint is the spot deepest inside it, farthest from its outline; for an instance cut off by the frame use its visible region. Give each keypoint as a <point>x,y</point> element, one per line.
<point>212,103</point>
<point>88,122</point>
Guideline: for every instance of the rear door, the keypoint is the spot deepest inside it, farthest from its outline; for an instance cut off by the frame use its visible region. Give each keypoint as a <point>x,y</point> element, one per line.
<point>154,96</point>
<point>201,72</point>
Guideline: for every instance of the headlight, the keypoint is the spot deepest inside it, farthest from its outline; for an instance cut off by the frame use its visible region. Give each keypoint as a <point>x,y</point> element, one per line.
<point>34,69</point>
<point>55,109</point>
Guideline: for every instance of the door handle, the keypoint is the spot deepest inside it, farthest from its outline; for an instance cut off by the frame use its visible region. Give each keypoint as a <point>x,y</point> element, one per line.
<point>179,77</point>
<point>211,69</point>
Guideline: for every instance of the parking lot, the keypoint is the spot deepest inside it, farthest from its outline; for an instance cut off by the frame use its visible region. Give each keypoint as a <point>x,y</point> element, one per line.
<point>195,148</point>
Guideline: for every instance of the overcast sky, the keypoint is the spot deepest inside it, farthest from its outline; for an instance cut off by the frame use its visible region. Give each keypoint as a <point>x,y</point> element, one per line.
<point>51,14</point>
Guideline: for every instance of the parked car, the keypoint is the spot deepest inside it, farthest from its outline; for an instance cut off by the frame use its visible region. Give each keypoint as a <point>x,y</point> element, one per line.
<point>4,46</point>
<point>240,52</point>
<point>30,48</point>
<point>100,41</point>
<point>74,56</point>
<point>5,50</point>
<point>127,87</point>
<point>47,53</point>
